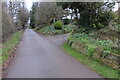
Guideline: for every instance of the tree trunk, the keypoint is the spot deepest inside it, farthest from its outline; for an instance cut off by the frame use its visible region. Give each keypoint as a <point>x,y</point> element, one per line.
<point>76,14</point>
<point>53,20</point>
<point>71,15</point>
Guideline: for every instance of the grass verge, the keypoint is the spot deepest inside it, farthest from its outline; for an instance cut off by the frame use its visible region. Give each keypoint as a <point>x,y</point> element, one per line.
<point>10,45</point>
<point>106,72</point>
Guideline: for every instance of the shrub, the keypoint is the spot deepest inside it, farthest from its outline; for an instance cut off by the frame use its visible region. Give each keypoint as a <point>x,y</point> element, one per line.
<point>58,25</point>
<point>90,50</point>
<point>68,28</point>
<point>75,23</point>
<point>76,35</point>
<point>105,53</point>
<point>58,32</point>
<point>66,21</point>
<point>49,29</point>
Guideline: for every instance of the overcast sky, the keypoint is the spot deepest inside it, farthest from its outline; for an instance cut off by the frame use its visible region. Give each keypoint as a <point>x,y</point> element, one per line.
<point>29,4</point>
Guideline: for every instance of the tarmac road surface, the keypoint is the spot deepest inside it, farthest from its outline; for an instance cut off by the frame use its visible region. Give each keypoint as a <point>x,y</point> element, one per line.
<point>38,56</point>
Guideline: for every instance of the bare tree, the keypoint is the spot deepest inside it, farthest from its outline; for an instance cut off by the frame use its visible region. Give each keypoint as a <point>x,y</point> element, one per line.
<point>7,23</point>
<point>48,12</point>
<point>10,18</point>
<point>23,16</point>
<point>14,7</point>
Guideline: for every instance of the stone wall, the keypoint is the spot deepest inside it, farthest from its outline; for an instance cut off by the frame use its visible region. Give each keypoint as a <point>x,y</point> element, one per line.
<point>111,59</point>
<point>79,47</point>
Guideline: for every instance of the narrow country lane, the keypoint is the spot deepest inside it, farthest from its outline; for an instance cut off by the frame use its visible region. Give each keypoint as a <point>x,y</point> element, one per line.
<point>41,57</point>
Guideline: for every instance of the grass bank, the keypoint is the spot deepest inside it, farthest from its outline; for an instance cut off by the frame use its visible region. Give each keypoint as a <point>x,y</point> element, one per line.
<point>10,45</point>
<point>106,72</point>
